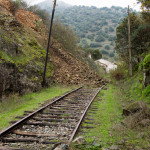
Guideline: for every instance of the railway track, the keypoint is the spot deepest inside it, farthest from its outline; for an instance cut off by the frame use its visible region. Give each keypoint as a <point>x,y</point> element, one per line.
<point>52,124</point>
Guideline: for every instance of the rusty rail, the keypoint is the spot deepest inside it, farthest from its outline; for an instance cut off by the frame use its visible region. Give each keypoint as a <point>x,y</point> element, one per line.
<point>20,122</point>
<point>82,117</point>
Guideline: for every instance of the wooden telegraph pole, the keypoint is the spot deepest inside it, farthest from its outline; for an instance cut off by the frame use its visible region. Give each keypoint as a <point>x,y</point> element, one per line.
<point>48,46</point>
<point>129,38</point>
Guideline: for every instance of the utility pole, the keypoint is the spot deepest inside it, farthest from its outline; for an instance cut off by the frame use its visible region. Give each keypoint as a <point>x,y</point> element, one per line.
<point>48,46</point>
<point>129,38</point>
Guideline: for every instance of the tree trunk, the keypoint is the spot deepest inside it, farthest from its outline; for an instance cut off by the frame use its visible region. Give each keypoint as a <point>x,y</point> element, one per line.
<point>146,78</point>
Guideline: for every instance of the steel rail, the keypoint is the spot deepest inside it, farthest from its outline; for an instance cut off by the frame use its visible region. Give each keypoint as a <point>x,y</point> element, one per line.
<point>83,115</point>
<point>20,122</point>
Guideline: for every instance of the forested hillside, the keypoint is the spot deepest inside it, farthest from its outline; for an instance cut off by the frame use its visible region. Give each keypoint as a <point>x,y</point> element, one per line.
<point>95,27</point>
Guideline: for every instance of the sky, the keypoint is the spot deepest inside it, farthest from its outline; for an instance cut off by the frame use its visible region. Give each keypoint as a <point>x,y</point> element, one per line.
<point>97,3</point>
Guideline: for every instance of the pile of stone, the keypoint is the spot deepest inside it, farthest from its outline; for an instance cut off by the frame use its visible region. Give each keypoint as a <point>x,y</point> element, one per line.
<point>71,71</point>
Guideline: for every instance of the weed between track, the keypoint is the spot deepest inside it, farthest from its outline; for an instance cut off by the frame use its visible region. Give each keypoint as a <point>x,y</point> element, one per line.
<point>108,113</point>
<point>109,104</point>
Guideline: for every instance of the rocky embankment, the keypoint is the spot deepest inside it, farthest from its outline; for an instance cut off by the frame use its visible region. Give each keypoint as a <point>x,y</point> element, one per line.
<point>70,71</point>
<point>21,55</point>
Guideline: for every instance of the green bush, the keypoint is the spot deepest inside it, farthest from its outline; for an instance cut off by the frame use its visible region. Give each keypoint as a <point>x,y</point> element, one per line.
<point>95,45</point>
<point>146,92</point>
<point>105,52</point>
<point>111,29</point>
<point>41,13</point>
<point>15,5</point>
<point>119,73</point>
<point>65,36</point>
<point>111,54</point>
<point>107,47</point>
<point>91,36</point>
<point>100,38</point>
<point>146,62</point>
<point>96,54</point>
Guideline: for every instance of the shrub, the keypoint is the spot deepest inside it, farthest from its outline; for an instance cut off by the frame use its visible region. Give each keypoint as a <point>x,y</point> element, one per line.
<point>112,38</point>
<point>23,5</point>
<point>100,38</point>
<point>146,62</point>
<point>118,74</point>
<point>107,47</point>
<point>95,45</point>
<point>111,29</point>
<point>41,13</point>
<point>91,36</point>
<point>96,54</point>
<point>104,52</point>
<point>146,91</point>
<point>111,54</point>
<point>14,6</point>
<point>84,42</point>
<point>65,36</point>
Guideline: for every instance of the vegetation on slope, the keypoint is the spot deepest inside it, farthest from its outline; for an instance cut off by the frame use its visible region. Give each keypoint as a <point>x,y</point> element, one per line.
<point>21,57</point>
<point>140,38</point>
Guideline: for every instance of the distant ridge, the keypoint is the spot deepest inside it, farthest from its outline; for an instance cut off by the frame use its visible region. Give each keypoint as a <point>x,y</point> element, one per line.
<point>95,27</point>
<point>49,4</point>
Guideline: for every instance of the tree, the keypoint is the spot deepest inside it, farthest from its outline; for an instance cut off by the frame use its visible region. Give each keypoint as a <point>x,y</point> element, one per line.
<point>111,54</point>
<point>104,52</point>
<point>112,38</point>
<point>41,13</point>
<point>100,38</point>
<point>140,40</point>
<point>91,36</point>
<point>65,36</point>
<point>145,4</point>
<point>107,47</point>
<point>15,5</point>
<point>96,54</point>
<point>24,5</point>
<point>122,36</point>
<point>111,29</point>
<point>95,45</point>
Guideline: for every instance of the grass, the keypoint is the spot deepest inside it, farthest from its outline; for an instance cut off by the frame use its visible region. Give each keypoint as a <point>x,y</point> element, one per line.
<point>108,129</point>
<point>16,105</point>
<point>108,114</point>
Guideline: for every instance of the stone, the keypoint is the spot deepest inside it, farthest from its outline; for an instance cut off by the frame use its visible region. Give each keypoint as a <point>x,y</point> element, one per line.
<point>114,147</point>
<point>144,122</point>
<point>62,147</point>
<point>79,140</point>
<point>96,144</point>
<point>141,135</point>
<point>133,108</point>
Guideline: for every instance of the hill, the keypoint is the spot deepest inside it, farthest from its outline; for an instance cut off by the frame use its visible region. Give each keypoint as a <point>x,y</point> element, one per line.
<point>22,55</point>
<point>95,27</point>
<point>48,5</point>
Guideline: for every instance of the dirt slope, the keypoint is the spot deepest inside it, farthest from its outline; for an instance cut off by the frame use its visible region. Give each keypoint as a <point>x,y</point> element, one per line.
<point>70,71</point>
